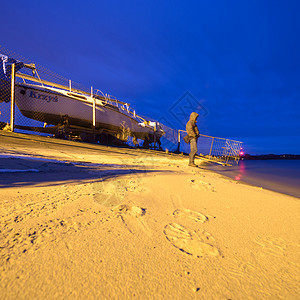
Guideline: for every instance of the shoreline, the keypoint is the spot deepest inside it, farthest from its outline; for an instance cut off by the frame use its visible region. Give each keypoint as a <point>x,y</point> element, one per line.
<point>255,185</point>
<point>283,185</point>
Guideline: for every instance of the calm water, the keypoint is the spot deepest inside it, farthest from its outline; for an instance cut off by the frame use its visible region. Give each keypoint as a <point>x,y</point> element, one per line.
<point>278,175</point>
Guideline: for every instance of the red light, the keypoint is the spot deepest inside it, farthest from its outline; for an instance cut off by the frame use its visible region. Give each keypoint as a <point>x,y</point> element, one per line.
<point>242,153</point>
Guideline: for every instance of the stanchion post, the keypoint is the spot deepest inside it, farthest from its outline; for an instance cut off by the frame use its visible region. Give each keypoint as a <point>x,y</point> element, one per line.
<point>12,98</point>
<point>94,108</point>
<point>212,141</point>
<point>178,144</point>
<point>94,114</point>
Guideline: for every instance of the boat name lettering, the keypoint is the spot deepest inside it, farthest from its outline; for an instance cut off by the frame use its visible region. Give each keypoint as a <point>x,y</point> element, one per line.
<point>47,98</point>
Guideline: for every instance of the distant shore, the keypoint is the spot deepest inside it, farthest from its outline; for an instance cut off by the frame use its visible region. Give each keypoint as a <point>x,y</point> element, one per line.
<point>270,156</point>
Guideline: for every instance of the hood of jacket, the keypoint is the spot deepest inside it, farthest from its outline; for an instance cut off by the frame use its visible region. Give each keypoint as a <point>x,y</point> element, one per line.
<point>194,116</point>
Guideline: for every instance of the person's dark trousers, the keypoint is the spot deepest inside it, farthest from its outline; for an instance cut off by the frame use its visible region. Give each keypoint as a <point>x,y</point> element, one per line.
<point>193,144</point>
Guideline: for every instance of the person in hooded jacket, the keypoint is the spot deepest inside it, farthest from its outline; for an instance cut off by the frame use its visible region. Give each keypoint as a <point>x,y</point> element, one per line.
<point>193,134</point>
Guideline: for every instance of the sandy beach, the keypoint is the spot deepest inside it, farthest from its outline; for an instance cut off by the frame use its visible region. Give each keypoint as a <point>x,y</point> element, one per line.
<point>84,221</point>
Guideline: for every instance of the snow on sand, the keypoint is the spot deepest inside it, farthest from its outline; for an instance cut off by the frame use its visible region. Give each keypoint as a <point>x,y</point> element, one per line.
<point>100,222</point>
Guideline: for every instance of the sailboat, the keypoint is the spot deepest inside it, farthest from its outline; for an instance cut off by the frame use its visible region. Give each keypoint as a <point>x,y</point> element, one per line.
<point>52,104</point>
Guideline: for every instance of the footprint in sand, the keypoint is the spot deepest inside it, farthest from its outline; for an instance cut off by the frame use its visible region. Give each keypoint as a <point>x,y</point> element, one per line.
<point>201,185</point>
<point>190,214</point>
<point>16,242</point>
<point>112,192</point>
<point>131,217</point>
<point>196,243</point>
<point>39,204</point>
<point>134,211</point>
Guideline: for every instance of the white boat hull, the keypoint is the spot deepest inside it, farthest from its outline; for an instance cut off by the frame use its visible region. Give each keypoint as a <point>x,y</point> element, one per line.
<point>50,105</point>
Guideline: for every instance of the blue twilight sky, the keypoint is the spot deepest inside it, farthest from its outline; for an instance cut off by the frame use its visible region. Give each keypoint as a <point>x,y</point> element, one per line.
<point>237,61</point>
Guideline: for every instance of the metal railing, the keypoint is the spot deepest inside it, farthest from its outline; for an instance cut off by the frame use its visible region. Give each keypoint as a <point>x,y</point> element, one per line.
<point>125,107</point>
<point>106,98</point>
<point>215,149</point>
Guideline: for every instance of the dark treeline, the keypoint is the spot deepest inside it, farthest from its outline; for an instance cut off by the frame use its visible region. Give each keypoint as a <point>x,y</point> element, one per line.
<point>271,156</point>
